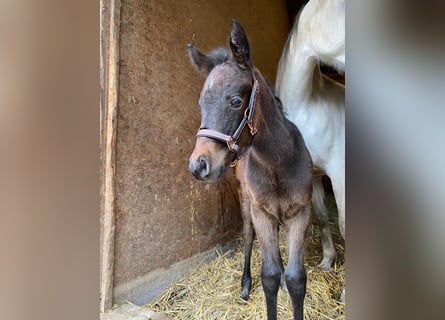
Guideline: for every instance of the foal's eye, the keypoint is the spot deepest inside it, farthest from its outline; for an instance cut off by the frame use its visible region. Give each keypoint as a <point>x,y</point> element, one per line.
<point>236,102</point>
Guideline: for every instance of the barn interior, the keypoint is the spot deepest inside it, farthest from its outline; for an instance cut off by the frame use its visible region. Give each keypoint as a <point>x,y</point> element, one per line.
<point>157,220</point>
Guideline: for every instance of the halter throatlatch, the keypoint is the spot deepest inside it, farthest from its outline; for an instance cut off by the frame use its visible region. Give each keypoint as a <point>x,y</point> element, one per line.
<point>232,140</point>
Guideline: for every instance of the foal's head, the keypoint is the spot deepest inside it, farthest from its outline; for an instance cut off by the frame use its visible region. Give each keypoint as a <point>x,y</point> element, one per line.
<point>225,106</point>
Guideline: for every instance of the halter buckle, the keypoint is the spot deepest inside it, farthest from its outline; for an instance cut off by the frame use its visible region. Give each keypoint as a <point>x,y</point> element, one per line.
<point>252,128</point>
<point>231,144</point>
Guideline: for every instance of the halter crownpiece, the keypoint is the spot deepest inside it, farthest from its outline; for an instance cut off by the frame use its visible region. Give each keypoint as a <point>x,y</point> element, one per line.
<point>232,140</point>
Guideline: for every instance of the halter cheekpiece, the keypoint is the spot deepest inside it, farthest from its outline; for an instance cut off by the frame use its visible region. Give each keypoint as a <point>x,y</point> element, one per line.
<point>232,140</point>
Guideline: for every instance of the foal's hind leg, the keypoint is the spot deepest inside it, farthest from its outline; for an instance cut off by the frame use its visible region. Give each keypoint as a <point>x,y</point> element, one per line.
<point>295,272</point>
<point>322,219</point>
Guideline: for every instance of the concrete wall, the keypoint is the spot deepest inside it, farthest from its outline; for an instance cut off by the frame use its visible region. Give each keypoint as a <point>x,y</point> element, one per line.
<point>162,214</point>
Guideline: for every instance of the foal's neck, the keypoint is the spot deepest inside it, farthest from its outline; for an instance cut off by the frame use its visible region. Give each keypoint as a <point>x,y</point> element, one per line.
<point>273,137</point>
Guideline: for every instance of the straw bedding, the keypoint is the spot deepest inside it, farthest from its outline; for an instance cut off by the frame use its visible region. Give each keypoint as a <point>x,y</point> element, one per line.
<point>212,290</point>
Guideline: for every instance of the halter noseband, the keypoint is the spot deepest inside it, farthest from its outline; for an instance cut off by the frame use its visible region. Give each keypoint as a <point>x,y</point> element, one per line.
<point>232,140</point>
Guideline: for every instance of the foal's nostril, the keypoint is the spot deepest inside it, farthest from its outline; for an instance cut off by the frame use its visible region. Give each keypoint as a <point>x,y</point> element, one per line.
<point>203,167</point>
<point>199,168</point>
<point>202,164</point>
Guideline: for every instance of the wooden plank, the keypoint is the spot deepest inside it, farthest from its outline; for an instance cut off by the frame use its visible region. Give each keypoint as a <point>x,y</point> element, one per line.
<point>109,104</point>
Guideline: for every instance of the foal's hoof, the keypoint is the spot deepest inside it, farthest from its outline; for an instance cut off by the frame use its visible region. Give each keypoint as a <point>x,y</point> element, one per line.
<point>245,289</point>
<point>244,294</point>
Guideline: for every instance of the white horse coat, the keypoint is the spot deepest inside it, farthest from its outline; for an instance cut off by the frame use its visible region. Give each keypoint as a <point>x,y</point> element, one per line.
<point>316,103</point>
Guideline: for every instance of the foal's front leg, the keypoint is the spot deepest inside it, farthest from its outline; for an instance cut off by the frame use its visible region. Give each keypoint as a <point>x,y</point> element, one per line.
<point>248,235</point>
<point>248,232</point>
<point>271,266</point>
<point>295,272</point>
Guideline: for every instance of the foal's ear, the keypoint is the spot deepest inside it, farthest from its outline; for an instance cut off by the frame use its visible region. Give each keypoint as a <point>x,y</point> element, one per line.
<point>240,45</point>
<point>202,62</point>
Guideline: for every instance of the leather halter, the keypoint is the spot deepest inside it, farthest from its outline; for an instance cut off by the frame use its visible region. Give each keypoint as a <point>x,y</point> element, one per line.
<point>232,140</point>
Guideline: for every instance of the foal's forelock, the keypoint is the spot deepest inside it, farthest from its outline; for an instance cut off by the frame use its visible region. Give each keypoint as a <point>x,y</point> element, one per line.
<point>225,80</point>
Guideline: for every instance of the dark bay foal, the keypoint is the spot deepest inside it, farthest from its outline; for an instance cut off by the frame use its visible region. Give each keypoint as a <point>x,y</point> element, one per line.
<point>242,122</point>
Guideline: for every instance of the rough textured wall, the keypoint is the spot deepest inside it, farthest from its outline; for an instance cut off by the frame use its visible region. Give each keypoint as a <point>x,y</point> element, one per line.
<point>163,214</point>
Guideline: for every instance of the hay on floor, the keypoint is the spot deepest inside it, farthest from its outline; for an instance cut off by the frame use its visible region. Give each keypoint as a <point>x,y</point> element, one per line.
<point>212,290</point>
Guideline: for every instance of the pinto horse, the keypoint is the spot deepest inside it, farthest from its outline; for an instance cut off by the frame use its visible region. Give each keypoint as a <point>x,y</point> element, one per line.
<point>242,121</point>
<point>316,103</point>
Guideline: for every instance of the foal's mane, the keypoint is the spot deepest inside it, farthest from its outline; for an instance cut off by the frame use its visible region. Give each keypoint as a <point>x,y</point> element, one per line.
<point>219,55</point>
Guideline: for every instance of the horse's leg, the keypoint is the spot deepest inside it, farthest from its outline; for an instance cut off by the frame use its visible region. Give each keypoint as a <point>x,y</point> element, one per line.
<point>267,234</point>
<point>338,185</point>
<point>295,272</point>
<point>248,235</point>
<point>321,215</point>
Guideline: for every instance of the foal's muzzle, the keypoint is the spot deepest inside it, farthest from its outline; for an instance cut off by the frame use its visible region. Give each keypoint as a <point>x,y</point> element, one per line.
<point>208,160</point>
